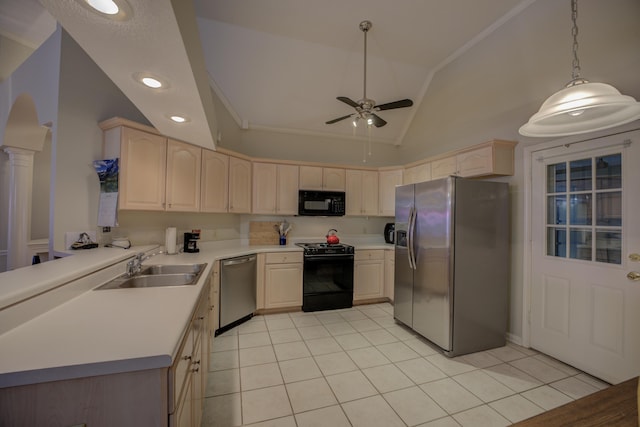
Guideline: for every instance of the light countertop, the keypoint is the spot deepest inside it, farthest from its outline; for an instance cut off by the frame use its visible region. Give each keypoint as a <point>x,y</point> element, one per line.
<point>106,331</point>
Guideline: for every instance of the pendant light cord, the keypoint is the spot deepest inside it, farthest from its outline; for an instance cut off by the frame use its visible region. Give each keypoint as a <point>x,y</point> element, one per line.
<point>575,69</point>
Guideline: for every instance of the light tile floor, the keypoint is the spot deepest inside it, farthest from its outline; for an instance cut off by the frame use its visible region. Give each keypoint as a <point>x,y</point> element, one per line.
<point>358,367</point>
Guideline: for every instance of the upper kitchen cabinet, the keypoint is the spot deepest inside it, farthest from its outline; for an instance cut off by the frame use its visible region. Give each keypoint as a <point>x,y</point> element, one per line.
<point>417,173</point>
<point>275,189</point>
<point>143,162</point>
<point>361,192</point>
<point>287,190</point>
<point>488,159</point>
<point>239,185</point>
<point>265,181</point>
<point>387,182</point>
<point>214,193</point>
<point>320,178</point>
<point>184,162</point>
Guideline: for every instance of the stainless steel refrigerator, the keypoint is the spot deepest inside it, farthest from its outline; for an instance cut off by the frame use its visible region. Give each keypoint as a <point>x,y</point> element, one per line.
<point>452,262</point>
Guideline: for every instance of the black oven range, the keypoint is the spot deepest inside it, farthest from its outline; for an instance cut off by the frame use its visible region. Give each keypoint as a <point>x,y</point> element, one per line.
<point>327,279</point>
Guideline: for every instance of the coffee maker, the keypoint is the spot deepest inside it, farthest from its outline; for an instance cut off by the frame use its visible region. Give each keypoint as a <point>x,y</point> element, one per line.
<point>191,242</point>
<point>389,232</point>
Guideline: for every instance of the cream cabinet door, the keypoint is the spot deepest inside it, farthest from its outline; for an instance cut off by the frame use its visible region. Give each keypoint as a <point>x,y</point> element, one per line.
<point>476,162</point>
<point>310,178</point>
<point>283,285</point>
<point>387,182</point>
<point>368,279</point>
<point>214,299</point>
<point>215,182</point>
<point>354,192</point>
<point>361,192</point>
<point>389,273</point>
<point>418,173</point>
<point>368,274</point>
<point>239,185</point>
<point>287,190</point>
<point>333,179</point>
<point>265,180</point>
<point>143,161</point>
<point>183,176</point>
<point>444,167</point>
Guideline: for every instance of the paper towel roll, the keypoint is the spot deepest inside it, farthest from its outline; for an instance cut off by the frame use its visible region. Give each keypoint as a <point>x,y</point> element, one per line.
<point>170,240</point>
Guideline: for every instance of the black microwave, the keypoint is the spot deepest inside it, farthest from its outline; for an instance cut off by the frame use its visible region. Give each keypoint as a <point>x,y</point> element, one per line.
<point>321,203</point>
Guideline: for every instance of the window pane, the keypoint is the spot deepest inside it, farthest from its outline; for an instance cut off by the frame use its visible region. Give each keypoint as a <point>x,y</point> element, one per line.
<point>556,210</point>
<point>581,244</point>
<point>557,242</point>
<point>609,172</point>
<point>581,175</point>
<point>609,209</point>
<point>580,210</point>
<point>609,247</point>
<point>557,178</point>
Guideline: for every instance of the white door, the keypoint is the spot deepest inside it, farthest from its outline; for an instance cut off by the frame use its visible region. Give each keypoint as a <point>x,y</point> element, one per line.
<point>585,232</point>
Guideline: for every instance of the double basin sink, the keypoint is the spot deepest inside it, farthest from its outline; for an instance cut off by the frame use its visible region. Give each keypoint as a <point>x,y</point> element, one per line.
<point>153,276</point>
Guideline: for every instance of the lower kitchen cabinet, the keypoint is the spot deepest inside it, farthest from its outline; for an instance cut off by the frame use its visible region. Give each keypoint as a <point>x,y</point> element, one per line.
<point>368,274</point>
<point>187,376</point>
<point>283,280</point>
<point>169,396</point>
<point>389,273</point>
<point>214,299</point>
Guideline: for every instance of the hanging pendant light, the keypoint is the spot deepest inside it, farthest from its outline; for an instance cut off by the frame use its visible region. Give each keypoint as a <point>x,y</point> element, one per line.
<point>581,106</point>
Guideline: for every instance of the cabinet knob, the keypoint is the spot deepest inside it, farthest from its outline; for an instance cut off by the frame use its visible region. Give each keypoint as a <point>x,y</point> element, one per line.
<point>186,357</point>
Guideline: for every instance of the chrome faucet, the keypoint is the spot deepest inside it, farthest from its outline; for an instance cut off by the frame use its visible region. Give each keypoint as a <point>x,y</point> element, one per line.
<point>135,265</point>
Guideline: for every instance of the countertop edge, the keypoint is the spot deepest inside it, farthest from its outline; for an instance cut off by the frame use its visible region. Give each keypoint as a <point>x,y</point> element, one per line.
<point>59,373</point>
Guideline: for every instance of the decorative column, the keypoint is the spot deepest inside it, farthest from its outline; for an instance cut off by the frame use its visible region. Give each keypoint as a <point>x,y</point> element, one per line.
<point>21,187</point>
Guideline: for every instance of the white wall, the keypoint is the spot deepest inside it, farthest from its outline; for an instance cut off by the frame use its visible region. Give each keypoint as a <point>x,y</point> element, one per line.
<point>37,76</point>
<point>87,96</point>
<point>491,90</point>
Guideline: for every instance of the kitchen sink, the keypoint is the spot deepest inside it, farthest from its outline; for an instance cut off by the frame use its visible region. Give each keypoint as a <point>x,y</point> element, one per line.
<point>161,269</point>
<point>155,276</point>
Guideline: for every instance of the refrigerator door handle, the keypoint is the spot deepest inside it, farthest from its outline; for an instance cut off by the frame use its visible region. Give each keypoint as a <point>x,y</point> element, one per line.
<point>411,233</point>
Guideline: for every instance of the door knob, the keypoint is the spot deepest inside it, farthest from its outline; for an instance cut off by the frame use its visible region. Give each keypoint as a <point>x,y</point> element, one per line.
<point>634,257</point>
<point>633,275</point>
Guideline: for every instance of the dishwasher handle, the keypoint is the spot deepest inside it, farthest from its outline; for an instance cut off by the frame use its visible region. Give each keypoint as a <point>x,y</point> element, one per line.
<point>238,261</point>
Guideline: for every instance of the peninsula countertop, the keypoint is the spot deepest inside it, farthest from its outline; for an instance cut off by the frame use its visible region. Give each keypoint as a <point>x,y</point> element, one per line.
<point>107,331</point>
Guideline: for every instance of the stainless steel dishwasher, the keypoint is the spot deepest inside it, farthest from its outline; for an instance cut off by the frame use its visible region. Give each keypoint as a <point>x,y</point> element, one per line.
<point>237,291</point>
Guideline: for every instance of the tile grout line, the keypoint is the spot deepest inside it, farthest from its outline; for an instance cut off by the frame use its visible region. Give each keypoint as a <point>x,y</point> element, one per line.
<point>382,327</point>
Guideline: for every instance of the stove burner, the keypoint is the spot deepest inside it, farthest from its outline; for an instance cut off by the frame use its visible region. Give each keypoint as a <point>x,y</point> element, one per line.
<point>317,248</point>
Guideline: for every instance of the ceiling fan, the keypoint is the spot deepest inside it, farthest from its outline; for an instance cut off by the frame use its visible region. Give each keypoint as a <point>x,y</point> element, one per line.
<point>365,107</point>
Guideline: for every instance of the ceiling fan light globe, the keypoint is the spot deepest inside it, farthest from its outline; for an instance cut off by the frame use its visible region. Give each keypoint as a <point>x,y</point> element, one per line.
<point>581,108</point>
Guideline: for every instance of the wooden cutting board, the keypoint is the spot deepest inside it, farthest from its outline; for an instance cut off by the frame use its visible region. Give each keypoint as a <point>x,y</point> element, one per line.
<point>263,233</point>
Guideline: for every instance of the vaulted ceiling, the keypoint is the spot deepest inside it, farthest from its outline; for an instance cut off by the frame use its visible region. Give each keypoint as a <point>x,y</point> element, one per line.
<point>278,65</point>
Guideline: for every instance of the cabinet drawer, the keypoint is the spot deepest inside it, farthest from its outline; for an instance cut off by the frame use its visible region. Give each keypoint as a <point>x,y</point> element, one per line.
<point>283,257</point>
<point>369,254</point>
<point>180,370</point>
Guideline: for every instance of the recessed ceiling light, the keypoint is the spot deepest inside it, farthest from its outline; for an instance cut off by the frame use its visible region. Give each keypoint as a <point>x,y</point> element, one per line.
<point>179,119</point>
<point>108,7</point>
<point>150,80</point>
<point>117,10</point>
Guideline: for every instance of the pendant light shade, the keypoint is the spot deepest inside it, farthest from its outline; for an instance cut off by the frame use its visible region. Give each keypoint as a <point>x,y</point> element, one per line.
<point>581,106</point>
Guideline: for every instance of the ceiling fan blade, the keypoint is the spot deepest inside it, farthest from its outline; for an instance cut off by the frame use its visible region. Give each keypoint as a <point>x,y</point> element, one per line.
<point>348,101</point>
<point>403,103</point>
<point>378,121</point>
<point>330,122</point>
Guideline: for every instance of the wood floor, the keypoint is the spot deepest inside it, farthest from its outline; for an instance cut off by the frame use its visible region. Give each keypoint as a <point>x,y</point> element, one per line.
<point>614,406</point>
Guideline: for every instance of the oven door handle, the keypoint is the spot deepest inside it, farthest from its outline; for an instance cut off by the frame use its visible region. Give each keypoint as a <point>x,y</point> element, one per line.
<point>339,257</point>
